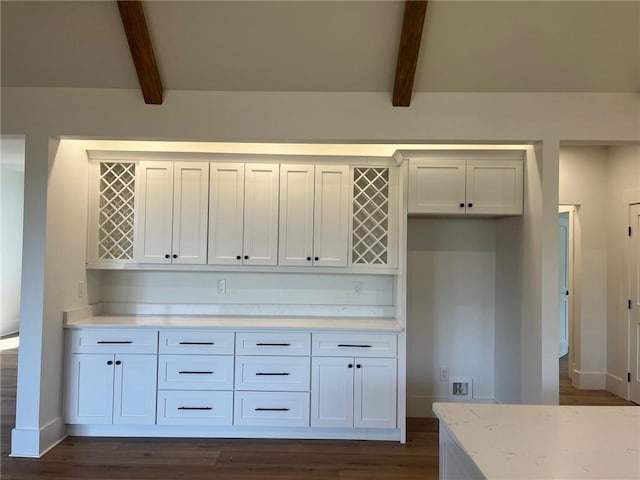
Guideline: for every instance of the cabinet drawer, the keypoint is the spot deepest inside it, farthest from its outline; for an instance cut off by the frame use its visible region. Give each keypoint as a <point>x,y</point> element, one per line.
<point>273,343</point>
<point>112,341</point>
<point>289,374</point>
<point>272,409</point>
<point>194,342</point>
<point>354,344</point>
<point>195,372</point>
<point>195,408</point>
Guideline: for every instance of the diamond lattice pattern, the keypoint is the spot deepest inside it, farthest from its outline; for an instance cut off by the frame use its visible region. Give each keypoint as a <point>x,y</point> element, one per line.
<point>115,217</point>
<point>370,216</point>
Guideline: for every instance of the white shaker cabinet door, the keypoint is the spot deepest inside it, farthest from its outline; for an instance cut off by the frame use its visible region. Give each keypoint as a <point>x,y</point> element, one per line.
<point>134,389</point>
<point>226,213</point>
<point>261,214</point>
<point>89,389</point>
<point>375,393</point>
<point>495,187</point>
<point>331,216</point>
<point>437,186</point>
<point>332,392</point>
<point>153,212</point>
<point>190,209</point>
<point>296,215</point>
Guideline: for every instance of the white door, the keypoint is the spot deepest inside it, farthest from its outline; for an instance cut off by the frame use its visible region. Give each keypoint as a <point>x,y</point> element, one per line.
<point>375,393</point>
<point>331,216</point>
<point>261,193</point>
<point>226,211</point>
<point>437,186</point>
<point>89,389</point>
<point>134,389</point>
<point>295,243</point>
<point>634,330</point>
<point>332,391</point>
<point>494,187</point>
<point>153,212</point>
<point>563,269</point>
<point>190,209</point>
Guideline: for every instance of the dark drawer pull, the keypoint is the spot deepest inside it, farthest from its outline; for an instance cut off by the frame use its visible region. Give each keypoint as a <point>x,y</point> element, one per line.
<point>273,374</point>
<point>113,342</point>
<point>187,372</point>
<point>347,345</point>
<point>273,344</point>
<point>195,408</point>
<point>262,409</point>
<point>197,343</point>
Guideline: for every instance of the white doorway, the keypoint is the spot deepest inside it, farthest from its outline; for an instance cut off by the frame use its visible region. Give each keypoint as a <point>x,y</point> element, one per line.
<point>634,312</point>
<point>566,260</point>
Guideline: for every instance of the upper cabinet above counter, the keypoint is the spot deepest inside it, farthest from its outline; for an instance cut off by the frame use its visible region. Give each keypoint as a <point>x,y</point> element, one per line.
<point>483,182</point>
<point>149,211</point>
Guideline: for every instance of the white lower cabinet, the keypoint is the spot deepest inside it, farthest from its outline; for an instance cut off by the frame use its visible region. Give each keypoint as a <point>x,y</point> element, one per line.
<point>188,379</point>
<point>195,408</point>
<point>111,388</point>
<point>353,392</point>
<point>271,409</point>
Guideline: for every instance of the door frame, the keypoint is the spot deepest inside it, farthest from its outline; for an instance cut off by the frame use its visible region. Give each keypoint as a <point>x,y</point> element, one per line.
<point>572,210</point>
<point>629,334</point>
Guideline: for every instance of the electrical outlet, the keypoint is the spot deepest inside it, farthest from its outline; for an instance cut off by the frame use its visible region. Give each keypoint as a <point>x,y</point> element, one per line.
<point>222,286</point>
<point>81,289</point>
<point>357,287</point>
<point>444,374</point>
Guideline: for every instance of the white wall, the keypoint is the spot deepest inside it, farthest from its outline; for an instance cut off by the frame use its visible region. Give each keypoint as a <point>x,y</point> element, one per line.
<point>246,293</point>
<point>45,113</point>
<point>583,176</point>
<point>450,308</point>
<point>11,219</point>
<point>623,188</point>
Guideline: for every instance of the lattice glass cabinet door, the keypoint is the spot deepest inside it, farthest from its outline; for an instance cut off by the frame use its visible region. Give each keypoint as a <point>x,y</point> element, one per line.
<point>373,235</point>
<point>112,212</point>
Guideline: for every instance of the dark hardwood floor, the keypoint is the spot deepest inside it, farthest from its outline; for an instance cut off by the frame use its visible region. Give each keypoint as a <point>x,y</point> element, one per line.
<point>194,459</point>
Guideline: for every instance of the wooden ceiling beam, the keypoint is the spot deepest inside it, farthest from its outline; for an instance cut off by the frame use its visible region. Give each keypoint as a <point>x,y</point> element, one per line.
<point>412,25</point>
<point>135,27</point>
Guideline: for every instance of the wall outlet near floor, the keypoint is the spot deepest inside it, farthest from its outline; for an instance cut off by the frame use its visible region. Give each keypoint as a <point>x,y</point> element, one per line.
<point>222,286</point>
<point>460,388</point>
<point>444,373</point>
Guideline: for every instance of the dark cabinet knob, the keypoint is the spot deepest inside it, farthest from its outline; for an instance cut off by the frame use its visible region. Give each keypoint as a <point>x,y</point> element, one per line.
<point>246,257</point>
<point>167,256</point>
<point>175,255</point>
<point>350,365</point>
<point>238,257</point>
<point>462,205</point>
<point>469,205</point>
<point>118,362</point>
<point>308,259</point>
<point>358,366</point>
<point>110,362</point>
<point>316,258</point>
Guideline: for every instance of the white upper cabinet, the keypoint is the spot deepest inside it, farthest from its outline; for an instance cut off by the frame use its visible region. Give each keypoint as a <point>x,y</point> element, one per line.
<point>454,183</point>
<point>171,212</point>
<point>243,214</point>
<point>297,183</point>
<point>314,215</point>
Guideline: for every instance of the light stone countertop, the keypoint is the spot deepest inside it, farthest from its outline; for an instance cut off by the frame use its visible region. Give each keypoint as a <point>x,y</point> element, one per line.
<point>547,442</point>
<point>372,325</point>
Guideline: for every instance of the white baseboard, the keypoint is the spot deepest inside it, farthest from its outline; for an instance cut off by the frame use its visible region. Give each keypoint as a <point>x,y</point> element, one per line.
<point>617,386</point>
<point>422,405</point>
<point>34,443</point>
<point>591,380</point>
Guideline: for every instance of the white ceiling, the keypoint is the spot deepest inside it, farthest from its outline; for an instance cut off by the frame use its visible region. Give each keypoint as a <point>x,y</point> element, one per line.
<point>338,46</point>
